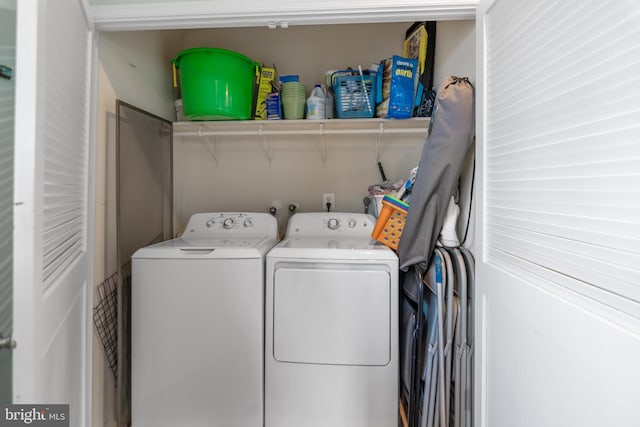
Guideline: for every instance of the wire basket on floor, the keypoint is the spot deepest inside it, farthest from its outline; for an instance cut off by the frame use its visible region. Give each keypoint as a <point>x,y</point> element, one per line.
<point>354,94</point>
<point>105,316</point>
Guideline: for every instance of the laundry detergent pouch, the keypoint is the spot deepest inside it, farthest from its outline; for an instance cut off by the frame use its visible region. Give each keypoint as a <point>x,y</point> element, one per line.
<point>396,87</point>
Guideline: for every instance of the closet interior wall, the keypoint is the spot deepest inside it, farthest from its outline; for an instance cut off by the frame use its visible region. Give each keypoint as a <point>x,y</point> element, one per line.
<point>135,68</point>
<point>249,173</point>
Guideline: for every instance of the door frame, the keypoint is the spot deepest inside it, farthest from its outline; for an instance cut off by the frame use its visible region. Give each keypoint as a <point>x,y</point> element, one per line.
<point>230,13</point>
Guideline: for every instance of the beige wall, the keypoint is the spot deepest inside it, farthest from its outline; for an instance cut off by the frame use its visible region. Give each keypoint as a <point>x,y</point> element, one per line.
<point>310,50</point>
<point>244,178</point>
<point>135,68</point>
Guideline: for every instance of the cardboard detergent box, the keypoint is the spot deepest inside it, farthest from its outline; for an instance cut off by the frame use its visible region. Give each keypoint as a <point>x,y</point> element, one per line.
<point>267,78</point>
<point>396,87</point>
<point>420,44</point>
<point>274,106</point>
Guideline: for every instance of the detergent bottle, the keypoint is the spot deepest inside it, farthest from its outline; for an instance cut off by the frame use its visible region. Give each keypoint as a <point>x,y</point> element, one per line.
<point>316,104</point>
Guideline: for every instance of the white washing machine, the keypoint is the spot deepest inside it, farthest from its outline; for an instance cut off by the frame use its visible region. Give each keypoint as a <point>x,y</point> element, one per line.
<point>198,324</point>
<point>331,332</point>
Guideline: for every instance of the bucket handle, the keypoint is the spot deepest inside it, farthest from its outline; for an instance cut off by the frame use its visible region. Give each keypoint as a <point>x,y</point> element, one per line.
<point>257,67</point>
<point>175,78</point>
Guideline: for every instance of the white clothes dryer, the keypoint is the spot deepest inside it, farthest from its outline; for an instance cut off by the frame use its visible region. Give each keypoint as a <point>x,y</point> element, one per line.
<point>198,324</point>
<point>331,332</point>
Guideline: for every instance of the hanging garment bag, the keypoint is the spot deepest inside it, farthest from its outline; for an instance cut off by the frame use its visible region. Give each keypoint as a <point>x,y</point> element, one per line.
<point>443,154</point>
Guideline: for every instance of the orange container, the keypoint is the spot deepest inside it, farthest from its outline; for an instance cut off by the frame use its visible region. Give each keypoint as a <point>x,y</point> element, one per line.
<point>390,223</point>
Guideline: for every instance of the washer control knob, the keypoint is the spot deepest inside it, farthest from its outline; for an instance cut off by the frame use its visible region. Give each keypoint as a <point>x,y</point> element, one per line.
<point>210,223</point>
<point>247,223</point>
<point>228,223</point>
<point>333,224</point>
<point>352,223</point>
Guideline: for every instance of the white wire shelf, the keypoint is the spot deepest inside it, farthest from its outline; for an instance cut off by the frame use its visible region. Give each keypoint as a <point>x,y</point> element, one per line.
<point>413,126</point>
<point>211,132</point>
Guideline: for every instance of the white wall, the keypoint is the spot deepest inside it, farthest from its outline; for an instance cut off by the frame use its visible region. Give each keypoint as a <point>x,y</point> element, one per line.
<point>455,50</point>
<point>138,67</point>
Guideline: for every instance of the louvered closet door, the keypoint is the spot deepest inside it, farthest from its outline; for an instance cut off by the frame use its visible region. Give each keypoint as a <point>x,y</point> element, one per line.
<point>53,219</point>
<point>558,298</point>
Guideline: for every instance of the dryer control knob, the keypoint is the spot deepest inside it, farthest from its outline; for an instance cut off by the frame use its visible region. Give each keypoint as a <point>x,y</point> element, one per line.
<point>210,223</point>
<point>228,223</point>
<point>247,223</point>
<point>333,224</point>
<point>352,223</point>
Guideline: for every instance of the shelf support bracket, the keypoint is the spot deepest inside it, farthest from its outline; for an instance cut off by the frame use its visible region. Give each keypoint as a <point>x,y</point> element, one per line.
<point>379,143</point>
<point>265,143</point>
<point>323,145</point>
<point>213,148</point>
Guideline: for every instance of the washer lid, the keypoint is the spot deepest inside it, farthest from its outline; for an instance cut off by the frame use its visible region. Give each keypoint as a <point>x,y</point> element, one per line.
<point>348,247</point>
<point>209,247</point>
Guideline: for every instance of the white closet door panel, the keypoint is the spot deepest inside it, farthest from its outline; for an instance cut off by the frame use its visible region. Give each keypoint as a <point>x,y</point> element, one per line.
<point>53,209</point>
<point>601,232</point>
<point>558,266</point>
<point>65,155</point>
<point>549,361</point>
<point>609,270</point>
<point>563,152</point>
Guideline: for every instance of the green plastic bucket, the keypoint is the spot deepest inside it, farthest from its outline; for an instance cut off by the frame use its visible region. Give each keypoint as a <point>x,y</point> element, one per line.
<point>216,84</point>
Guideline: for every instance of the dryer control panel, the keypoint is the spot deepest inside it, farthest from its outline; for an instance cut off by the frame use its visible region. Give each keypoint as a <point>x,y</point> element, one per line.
<point>230,223</point>
<point>330,223</point>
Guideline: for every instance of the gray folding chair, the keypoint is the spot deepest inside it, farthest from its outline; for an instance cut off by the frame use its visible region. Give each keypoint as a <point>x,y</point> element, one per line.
<point>450,310</point>
<point>468,367</point>
<point>441,290</point>
<point>430,375</point>
<point>460,376</point>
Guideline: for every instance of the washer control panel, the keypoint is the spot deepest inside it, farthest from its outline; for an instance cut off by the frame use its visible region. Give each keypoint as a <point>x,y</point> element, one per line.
<point>226,223</point>
<point>330,223</point>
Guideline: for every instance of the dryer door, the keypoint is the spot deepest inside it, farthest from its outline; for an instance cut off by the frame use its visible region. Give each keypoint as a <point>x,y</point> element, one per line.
<point>332,316</point>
